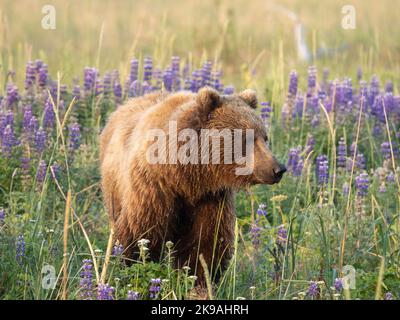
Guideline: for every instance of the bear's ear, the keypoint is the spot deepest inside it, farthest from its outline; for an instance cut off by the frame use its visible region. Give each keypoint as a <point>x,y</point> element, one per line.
<point>250,97</point>
<point>209,99</point>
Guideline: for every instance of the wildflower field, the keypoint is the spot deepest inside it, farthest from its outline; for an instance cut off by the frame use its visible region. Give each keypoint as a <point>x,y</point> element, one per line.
<point>329,230</point>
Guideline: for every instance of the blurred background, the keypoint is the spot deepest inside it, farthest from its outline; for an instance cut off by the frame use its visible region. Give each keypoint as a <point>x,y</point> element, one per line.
<point>252,40</point>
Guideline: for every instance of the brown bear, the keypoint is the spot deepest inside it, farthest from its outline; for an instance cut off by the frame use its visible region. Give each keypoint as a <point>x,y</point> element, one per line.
<point>169,188</point>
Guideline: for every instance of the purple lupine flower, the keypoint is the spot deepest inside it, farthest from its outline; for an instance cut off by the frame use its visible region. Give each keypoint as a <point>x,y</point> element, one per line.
<point>98,87</point>
<point>310,144</point>
<point>322,170</point>
<point>175,67</point>
<point>196,75</point>
<point>40,140</point>
<point>134,70</point>
<point>360,161</point>
<point>117,93</point>
<point>53,88</point>
<point>389,87</point>
<point>388,103</point>
<point>74,136</point>
<point>43,76</point>
<point>373,90</point>
<point>348,91</point>
<point>293,83</point>
<point>8,140</point>
<point>27,118</point>
<point>323,97</point>
<point>41,172</point>
<point>12,96</point>
<point>388,296</point>
<point>377,130</point>
<point>217,75</point>
<point>20,249</point>
<point>229,90</point>
<point>281,238</point>
<point>385,149</point>
<point>2,215</point>
<point>206,73</point>
<point>265,111</point>
<point>168,79</point>
<point>362,184</point>
<point>86,282</point>
<point>391,177</point>
<point>135,89</point>
<point>49,115</point>
<point>298,106</point>
<point>261,211</point>
<point>312,78</point>
<point>155,287</point>
<point>313,289</point>
<point>341,153</point>
<point>338,285</point>
<point>217,84</point>
<point>328,103</point>
<point>32,129</point>
<point>147,69</point>
<point>132,295</point>
<point>38,65</point>
<point>312,104</point>
<point>146,88</point>
<point>3,123</point>
<point>76,92</point>
<point>363,90</point>
<point>105,292</point>
<point>299,168</point>
<point>118,249</point>
<point>30,75</point>
<point>199,79</point>
<point>293,159</point>
<point>117,88</point>
<point>89,79</point>
<point>255,234</point>
<point>377,108</point>
<point>9,119</point>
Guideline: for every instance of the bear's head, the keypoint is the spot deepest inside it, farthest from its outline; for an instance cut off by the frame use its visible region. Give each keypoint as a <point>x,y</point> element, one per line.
<point>232,120</point>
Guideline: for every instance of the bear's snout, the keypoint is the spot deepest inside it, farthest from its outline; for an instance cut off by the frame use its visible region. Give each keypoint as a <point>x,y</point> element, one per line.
<point>278,172</point>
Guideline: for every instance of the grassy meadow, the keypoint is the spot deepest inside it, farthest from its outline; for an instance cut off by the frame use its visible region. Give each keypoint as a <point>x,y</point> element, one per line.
<point>333,118</point>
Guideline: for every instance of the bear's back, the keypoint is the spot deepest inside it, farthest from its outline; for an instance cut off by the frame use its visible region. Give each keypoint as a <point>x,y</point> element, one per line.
<point>123,120</point>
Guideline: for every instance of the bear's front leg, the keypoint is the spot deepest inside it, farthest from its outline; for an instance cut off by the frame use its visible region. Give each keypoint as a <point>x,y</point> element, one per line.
<point>210,233</point>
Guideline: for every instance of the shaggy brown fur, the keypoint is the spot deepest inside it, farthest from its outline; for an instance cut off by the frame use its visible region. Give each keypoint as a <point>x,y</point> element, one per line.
<point>191,205</point>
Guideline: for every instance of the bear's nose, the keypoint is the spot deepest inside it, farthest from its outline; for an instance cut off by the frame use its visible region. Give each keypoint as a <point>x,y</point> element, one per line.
<point>279,171</point>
